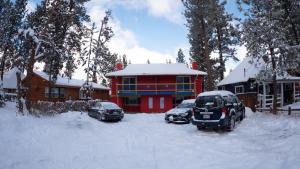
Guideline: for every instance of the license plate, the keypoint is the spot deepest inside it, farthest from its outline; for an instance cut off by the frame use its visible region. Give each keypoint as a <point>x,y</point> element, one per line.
<point>205,112</point>
<point>206,116</point>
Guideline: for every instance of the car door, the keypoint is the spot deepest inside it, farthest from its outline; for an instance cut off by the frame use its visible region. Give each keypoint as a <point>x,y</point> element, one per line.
<point>238,106</point>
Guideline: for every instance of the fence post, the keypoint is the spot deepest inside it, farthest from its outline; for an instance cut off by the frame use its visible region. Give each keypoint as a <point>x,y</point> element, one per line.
<point>290,110</point>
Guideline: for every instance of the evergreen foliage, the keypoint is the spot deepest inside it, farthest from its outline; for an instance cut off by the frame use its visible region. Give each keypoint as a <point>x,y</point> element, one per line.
<point>180,57</point>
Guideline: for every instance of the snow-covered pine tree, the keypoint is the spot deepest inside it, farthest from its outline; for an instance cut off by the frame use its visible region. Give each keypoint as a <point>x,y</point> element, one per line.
<point>87,54</point>
<point>59,26</point>
<point>11,15</point>
<point>264,37</point>
<point>104,61</point>
<point>180,57</point>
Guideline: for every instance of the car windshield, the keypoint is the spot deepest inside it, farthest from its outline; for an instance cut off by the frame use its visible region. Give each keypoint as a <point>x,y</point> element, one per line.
<point>97,104</point>
<point>186,105</point>
<point>209,101</point>
<point>109,105</point>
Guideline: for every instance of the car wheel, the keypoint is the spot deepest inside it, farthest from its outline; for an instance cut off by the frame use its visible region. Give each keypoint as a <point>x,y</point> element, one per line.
<point>231,123</point>
<point>99,117</point>
<point>242,115</point>
<point>200,127</point>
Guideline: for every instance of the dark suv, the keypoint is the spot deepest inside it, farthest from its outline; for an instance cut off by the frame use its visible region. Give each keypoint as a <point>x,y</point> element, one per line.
<point>217,109</point>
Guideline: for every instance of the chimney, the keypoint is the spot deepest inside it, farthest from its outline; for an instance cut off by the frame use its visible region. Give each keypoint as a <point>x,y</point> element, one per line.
<point>119,66</point>
<point>194,65</point>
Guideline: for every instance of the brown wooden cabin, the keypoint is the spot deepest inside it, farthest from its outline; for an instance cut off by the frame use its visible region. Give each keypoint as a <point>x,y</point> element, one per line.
<point>64,89</point>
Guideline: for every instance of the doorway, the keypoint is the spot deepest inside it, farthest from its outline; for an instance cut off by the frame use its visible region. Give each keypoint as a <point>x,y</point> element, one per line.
<point>288,91</point>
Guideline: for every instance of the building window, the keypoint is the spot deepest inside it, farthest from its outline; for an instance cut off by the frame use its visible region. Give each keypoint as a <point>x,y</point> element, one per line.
<point>150,102</point>
<point>132,100</point>
<point>239,89</point>
<point>54,92</point>
<point>162,103</point>
<point>129,83</point>
<point>183,83</point>
<point>222,88</point>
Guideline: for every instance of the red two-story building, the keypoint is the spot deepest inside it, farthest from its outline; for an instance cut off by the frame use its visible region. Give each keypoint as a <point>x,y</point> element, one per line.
<point>154,87</point>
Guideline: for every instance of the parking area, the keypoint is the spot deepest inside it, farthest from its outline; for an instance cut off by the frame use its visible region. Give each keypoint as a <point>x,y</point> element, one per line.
<point>145,141</point>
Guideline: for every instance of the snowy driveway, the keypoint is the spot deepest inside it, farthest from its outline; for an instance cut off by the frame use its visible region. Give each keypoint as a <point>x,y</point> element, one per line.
<point>143,141</point>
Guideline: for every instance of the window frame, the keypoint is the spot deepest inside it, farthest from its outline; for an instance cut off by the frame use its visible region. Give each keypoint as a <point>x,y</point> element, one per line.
<point>129,86</point>
<point>239,86</point>
<point>182,86</point>
<point>58,94</point>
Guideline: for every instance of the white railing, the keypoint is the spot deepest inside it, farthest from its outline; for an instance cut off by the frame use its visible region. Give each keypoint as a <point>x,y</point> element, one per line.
<point>297,96</point>
<point>267,101</point>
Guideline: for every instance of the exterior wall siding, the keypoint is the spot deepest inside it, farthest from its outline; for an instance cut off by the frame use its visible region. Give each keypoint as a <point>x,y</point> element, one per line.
<point>38,91</point>
<point>249,97</point>
<point>144,98</point>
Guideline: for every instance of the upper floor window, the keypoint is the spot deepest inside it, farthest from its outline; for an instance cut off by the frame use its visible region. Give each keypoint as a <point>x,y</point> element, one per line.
<point>239,89</point>
<point>129,83</point>
<point>183,83</point>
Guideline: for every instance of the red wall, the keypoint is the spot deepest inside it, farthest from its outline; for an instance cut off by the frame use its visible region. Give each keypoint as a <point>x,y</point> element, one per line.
<point>144,107</point>
<point>156,103</point>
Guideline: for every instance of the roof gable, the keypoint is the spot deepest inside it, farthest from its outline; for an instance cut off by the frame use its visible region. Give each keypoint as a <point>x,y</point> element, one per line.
<point>246,70</point>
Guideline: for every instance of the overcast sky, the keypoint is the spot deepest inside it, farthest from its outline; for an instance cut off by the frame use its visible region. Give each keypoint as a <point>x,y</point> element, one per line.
<point>147,29</point>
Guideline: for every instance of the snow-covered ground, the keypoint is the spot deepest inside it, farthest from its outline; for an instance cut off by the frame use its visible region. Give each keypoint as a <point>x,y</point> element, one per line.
<point>144,141</point>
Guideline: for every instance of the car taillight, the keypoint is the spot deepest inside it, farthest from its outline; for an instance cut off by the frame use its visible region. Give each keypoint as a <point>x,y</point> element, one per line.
<point>224,110</point>
<point>193,110</point>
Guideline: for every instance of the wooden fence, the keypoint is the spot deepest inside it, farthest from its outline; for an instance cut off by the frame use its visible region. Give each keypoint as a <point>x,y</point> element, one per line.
<point>289,110</point>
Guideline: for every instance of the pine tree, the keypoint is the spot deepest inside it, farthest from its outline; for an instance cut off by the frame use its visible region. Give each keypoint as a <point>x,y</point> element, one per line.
<point>180,57</point>
<point>102,61</point>
<point>11,15</point>
<point>226,35</point>
<point>124,61</point>
<point>264,38</point>
<point>198,16</point>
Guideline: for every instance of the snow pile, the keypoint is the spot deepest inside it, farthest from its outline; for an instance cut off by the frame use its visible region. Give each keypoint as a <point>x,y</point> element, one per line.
<point>144,141</point>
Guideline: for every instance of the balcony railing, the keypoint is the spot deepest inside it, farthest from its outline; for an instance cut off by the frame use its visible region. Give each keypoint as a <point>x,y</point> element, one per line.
<point>155,88</point>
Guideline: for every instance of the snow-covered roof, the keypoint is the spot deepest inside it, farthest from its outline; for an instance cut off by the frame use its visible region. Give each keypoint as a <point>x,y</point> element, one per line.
<point>69,82</point>
<point>10,79</point>
<point>216,92</point>
<point>246,70</point>
<point>249,69</point>
<point>156,69</point>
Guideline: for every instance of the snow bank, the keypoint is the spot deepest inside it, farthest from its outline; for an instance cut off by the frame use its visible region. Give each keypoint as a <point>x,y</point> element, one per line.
<point>144,141</point>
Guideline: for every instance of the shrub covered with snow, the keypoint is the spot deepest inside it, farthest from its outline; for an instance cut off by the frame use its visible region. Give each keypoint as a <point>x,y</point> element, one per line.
<point>80,105</point>
<point>43,108</point>
<point>60,107</point>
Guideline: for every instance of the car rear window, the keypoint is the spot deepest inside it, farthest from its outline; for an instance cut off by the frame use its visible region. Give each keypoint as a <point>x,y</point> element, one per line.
<point>108,105</point>
<point>209,101</point>
<point>186,105</point>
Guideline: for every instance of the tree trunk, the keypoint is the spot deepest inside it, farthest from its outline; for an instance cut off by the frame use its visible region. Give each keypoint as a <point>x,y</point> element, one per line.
<point>221,60</point>
<point>2,67</point>
<point>94,77</point>
<point>210,85</point>
<point>29,79</point>
<point>274,82</point>
<point>19,93</point>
